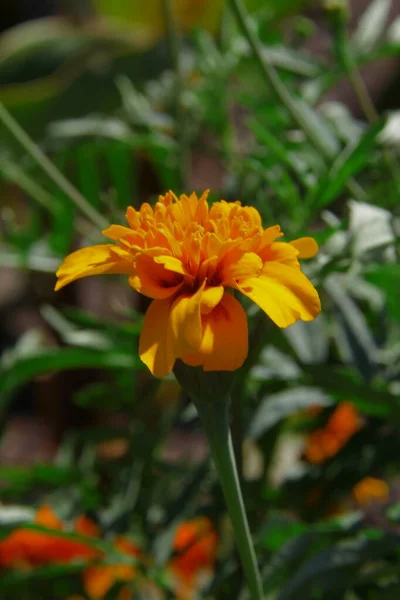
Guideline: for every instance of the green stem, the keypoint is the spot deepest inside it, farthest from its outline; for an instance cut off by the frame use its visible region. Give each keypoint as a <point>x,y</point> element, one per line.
<point>50,169</point>
<point>175,53</point>
<point>282,93</point>
<point>214,416</point>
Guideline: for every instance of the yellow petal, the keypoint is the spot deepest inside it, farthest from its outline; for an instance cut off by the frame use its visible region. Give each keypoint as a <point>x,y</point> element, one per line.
<point>156,342</point>
<point>284,293</point>
<point>94,260</point>
<point>225,340</point>
<point>210,298</point>
<point>152,279</point>
<point>281,252</point>
<point>307,247</point>
<point>186,322</point>
<point>170,263</point>
<point>117,232</point>
<point>236,269</point>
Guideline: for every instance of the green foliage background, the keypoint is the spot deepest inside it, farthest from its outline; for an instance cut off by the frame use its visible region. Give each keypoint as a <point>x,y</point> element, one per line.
<point>122,124</point>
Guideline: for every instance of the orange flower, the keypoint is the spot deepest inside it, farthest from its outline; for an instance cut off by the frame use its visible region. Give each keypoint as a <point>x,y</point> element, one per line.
<point>195,546</point>
<point>185,256</point>
<point>99,579</point>
<point>370,490</point>
<point>30,548</point>
<point>325,442</point>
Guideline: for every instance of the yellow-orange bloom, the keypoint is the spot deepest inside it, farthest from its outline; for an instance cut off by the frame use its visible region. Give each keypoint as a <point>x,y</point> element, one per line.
<point>188,257</point>
<point>370,490</point>
<point>325,442</point>
<point>195,547</point>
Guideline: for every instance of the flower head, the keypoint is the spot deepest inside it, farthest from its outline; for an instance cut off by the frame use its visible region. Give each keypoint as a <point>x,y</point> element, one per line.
<point>189,258</point>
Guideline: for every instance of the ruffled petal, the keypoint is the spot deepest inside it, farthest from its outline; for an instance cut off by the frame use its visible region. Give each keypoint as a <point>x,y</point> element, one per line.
<point>284,293</point>
<point>210,298</point>
<point>307,247</point>
<point>154,280</point>
<point>171,263</point>
<point>186,322</point>
<point>236,268</point>
<point>94,260</point>
<point>156,347</point>
<point>281,252</point>
<point>224,346</point>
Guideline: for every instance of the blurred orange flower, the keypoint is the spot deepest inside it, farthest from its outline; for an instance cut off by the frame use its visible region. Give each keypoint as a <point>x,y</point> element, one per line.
<point>370,490</point>
<point>186,256</point>
<point>325,442</point>
<point>195,547</point>
<point>99,579</point>
<point>30,548</point>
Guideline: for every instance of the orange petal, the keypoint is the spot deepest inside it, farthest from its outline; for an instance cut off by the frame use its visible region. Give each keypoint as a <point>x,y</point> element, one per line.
<point>284,293</point>
<point>98,581</point>
<point>307,247</point>
<point>46,517</point>
<point>154,280</point>
<point>94,260</point>
<point>156,347</point>
<point>224,345</point>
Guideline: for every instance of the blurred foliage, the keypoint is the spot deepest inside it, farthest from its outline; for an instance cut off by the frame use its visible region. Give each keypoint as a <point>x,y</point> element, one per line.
<point>102,102</point>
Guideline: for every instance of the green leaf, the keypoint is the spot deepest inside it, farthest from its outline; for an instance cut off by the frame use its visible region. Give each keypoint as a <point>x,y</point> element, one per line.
<point>333,569</point>
<point>387,279</point>
<point>346,384</point>
<point>16,369</point>
<point>276,407</point>
<point>355,340</point>
<point>350,162</point>
<point>309,340</point>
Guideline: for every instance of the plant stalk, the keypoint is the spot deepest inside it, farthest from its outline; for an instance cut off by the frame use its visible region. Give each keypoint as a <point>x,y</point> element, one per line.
<point>50,169</point>
<point>214,416</point>
<point>282,93</point>
<point>180,117</point>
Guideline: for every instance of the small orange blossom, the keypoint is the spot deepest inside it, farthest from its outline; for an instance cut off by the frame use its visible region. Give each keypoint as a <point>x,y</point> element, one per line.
<point>325,442</point>
<point>370,490</point>
<point>185,256</point>
<point>195,545</point>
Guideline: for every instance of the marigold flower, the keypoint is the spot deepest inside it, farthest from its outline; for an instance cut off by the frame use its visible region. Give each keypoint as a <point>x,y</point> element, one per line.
<point>370,490</point>
<point>195,547</point>
<point>30,548</point>
<point>325,442</point>
<point>187,257</point>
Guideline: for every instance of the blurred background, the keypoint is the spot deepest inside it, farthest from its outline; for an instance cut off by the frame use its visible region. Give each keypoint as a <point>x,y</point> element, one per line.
<point>129,100</point>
